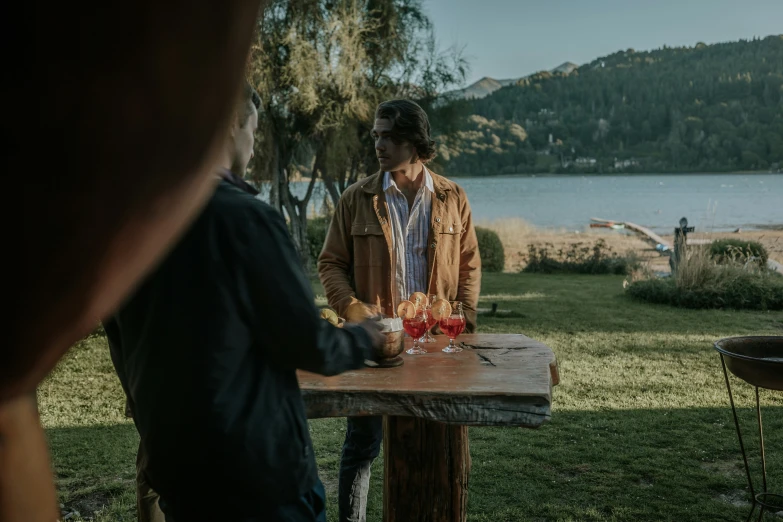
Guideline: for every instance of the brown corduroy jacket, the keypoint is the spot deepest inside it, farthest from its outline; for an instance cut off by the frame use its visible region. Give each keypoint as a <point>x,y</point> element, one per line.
<point>356,261</point>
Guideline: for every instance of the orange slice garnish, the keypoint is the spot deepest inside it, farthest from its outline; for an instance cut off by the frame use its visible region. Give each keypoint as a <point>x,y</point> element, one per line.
<point>406,310</point>
<point>419,299</point>
<point>441,309</point>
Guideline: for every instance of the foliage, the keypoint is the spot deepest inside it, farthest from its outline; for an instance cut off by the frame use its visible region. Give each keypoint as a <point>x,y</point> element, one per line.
<point>305,64</point>
<point>493,258</point>
<point>704,108</point>
<point>727,251</point>
<point>731,287</point>
<point>316,235</point>
<point>578,258</point>
<point>481,140</point>
<point>702,282</point>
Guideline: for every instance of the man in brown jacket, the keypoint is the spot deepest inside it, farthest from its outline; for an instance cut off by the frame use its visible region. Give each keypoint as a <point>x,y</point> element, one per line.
<point>401,230</point>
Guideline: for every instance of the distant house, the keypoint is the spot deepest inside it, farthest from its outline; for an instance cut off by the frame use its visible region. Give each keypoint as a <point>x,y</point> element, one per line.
<point>625,163</point>
<point>580,162</point>
<point>585,162</point>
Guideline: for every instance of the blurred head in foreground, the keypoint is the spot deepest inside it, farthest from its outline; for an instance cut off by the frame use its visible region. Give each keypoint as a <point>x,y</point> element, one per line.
<point>134,103</point>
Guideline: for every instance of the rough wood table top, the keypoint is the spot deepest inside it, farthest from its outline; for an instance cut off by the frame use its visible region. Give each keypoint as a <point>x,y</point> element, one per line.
<point>497,380</point>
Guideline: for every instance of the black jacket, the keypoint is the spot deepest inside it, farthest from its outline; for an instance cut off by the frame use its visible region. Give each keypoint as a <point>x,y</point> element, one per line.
<point>206,350</point>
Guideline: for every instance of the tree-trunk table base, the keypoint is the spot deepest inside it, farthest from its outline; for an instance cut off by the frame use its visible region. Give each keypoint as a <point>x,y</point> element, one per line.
<point>426,468</point>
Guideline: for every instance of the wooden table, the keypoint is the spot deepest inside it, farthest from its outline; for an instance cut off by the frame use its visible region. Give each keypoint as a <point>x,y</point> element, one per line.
<point>428,403</point>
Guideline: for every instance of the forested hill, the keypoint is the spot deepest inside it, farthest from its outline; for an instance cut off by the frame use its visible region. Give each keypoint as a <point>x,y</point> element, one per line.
<point>687,109</point>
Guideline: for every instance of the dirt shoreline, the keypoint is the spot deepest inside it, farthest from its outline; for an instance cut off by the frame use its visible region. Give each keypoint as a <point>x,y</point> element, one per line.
<point>517,235</point>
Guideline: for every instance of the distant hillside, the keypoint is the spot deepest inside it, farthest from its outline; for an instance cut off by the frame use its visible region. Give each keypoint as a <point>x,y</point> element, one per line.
<point>703,108</point>
<point>486,85</point>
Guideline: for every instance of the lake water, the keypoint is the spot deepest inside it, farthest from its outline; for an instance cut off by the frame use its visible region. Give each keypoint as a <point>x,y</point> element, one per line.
<point>710,201</point>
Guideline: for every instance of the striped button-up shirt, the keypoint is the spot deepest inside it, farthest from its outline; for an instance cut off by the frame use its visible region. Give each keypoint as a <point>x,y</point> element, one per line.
<point>410,229</point>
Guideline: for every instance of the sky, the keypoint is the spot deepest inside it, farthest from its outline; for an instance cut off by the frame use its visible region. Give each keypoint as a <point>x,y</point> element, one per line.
<point>513,38</point>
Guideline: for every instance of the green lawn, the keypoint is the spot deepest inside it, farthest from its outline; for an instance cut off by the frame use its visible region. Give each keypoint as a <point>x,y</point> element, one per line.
<point>641,428</point>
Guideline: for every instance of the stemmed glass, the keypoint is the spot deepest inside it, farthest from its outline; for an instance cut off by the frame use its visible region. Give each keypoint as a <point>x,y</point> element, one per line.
<point>453,325</point>
<point>428,338</point>
<point>415,327</point>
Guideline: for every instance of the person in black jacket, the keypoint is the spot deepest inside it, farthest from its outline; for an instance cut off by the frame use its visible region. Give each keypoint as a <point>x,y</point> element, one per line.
<point>206,349</point>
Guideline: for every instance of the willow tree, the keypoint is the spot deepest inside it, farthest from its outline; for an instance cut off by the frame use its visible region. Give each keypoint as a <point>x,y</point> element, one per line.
<point>403,61</point>
<point>306,66</point>
<point>321,67</point>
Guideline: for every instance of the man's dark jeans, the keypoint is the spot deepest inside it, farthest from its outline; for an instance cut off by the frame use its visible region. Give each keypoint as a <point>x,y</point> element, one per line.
<point>310,507</point>
<point>362,445</point>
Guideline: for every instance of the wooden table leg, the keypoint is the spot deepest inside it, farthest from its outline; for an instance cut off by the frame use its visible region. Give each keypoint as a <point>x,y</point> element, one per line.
<point>426,468</point>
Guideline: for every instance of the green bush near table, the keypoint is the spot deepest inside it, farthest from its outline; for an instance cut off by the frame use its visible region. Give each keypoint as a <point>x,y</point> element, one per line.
<point>317,228</point>
<point>493,257</point>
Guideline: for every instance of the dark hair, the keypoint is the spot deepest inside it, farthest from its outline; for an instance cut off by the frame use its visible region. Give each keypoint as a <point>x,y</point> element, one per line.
<point>410,124</point>
<point>247,101</point>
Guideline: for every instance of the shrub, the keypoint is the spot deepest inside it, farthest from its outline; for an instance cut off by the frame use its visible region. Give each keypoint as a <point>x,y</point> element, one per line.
<point>579,258</point>
<point>701,282</point>
<point>739,290</point>
<point>738,251</point>
<point>493,257</point>
<point>316,235</point>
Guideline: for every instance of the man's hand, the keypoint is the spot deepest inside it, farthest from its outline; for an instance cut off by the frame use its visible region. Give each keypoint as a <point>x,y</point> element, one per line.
<point>373,329</point>
<point>359,312</point>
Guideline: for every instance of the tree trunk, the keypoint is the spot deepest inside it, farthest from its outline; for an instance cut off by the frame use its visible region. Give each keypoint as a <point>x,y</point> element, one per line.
<point>299,234</point>
<point>275,195</point>
<point>426,468</point>
<point>297,213</point>
<point>297,218</point>
<point>331,188</point>
<point>353,174</point>
<point>327,175</point>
